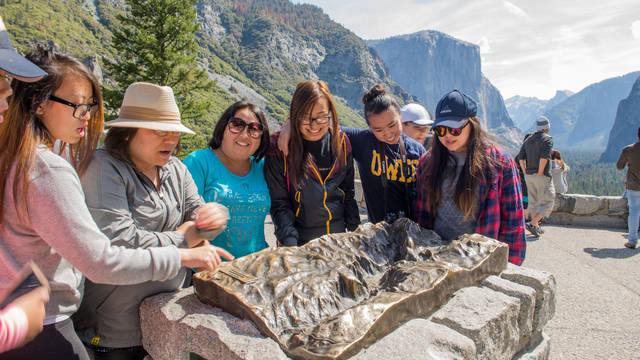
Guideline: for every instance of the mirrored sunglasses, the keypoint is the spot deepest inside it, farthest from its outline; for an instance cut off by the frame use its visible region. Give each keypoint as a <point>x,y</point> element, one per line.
<point>441,131</point>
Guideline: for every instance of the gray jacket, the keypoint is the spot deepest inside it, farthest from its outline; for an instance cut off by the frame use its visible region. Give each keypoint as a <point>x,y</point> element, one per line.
<point>535,147</point>
<point>132,213</point>
<point>59,234</point>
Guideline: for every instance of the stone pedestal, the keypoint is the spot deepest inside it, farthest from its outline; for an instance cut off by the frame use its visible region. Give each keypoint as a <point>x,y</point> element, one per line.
<point>503,318</point>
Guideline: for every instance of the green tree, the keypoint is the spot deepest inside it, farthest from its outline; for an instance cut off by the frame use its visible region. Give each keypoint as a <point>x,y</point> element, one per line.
<point>155,42</point>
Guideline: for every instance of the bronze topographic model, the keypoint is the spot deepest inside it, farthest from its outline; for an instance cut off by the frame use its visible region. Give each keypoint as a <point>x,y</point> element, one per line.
<point>334,295</point>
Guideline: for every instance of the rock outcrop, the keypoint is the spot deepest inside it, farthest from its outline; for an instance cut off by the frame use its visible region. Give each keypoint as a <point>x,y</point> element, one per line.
<point>429,64</point>
<point>625,126</point>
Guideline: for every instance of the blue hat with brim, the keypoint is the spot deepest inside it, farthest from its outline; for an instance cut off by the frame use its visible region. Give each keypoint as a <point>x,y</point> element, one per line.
<point>15,64</point>
<point>454,109</point>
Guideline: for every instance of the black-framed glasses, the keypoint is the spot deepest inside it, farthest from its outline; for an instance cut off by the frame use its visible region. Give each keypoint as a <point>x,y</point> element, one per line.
<point>320,120</point>
<point>441,131</point>
<point>79,110</point>
<point>237,125</point>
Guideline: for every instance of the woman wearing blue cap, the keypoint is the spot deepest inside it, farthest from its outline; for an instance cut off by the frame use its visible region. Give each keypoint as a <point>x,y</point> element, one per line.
<point>466,184</point>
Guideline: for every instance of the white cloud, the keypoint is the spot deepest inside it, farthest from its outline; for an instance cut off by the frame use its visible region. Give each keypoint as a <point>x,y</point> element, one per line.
<point>485,48</point>
<point>528,48</point>
<point>635,29</point>
<point>515,10</point>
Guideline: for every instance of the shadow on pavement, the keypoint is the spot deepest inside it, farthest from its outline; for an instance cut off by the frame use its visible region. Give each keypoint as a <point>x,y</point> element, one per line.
<point>615,253</point>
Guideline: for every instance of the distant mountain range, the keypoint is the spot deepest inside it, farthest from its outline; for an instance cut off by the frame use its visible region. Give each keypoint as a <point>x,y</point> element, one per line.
<point>429,64</point>
<point>260,49</point>
<point>525,110</point>
<point>580,121</point>
<point>625,125</point>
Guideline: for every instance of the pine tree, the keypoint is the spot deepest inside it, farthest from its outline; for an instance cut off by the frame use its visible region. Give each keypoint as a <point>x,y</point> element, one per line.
<point>155,42</point>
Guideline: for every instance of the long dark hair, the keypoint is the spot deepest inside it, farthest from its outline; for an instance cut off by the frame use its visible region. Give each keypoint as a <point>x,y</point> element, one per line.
<point>22,130</point>
<point>218,132</point>
<point>477,166</point>
<point>304,98</point>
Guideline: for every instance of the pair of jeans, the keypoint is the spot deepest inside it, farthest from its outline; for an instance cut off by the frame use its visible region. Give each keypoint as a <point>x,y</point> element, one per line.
<point>633,200</point>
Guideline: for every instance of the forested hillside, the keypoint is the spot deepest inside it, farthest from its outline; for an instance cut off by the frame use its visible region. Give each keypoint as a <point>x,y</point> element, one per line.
<point>588,176</point>
<point>257,50</point>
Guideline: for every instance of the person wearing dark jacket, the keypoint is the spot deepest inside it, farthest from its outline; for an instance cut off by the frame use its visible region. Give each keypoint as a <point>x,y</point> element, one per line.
<point>386,157</point>
<point>312,191</point>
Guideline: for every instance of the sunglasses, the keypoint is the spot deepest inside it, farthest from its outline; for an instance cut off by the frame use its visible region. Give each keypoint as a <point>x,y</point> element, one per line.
<point>79,110</point>
<point>441,131</point>
<point>237,125</point>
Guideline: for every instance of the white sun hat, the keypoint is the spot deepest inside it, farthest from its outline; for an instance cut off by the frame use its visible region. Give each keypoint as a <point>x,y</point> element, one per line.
<point>149,106</point>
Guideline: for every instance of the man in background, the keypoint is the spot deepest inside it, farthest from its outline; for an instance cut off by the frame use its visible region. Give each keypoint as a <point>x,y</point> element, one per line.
<point>630,157</point>
<point>535,160</point>
<point>416,123</point>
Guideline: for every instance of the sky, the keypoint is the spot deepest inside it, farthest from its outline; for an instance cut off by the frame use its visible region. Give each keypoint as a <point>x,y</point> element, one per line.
<point>528,47</point>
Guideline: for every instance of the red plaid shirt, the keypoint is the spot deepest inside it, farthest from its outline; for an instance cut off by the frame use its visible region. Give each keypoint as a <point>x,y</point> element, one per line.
<point>501,215</point>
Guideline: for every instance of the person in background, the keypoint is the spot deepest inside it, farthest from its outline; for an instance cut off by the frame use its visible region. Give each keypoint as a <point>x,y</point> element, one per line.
<point>231,172</point>
<point>141,196</point>
<point>311,188</point>
<point>386,157</point>
<point>416,123</point>
<point>535,158</point>
<point>559,171</point>
<point>22,319</point>
<point>523,185</point>
<point>44,217</point>
<point>466,184</point>
<point>630,158</point>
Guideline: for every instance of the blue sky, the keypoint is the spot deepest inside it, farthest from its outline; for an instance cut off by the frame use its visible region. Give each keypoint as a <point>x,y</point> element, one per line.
<point>529,48</point>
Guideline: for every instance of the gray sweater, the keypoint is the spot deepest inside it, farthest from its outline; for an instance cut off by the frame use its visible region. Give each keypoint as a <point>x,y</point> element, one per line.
<point>60,235</point>
<point>133,213</point>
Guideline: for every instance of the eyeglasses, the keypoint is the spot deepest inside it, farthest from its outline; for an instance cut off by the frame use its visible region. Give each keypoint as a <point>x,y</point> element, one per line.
<point>320,120</point>
<point>79,110</point>
<point>162,133</point>
<point>441,131</point>
<point>7,77</point>
<point>237,125</point>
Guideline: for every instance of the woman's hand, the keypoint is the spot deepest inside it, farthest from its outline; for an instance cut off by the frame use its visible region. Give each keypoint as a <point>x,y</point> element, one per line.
<point>190,232</point>
<point>32,303</point>
<point>283,140</point>
<point>205,257</point>
<point>211,216</point>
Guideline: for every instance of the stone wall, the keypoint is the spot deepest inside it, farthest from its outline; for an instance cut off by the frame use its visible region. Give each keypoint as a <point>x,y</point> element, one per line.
<point>502,318</point>
<point>589,210</point>
<point>570,209</point>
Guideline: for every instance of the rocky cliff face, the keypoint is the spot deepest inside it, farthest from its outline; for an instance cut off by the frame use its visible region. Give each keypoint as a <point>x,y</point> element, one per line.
<point>277,44</point>
<point>625,125</point>
<point>430,64</point>
<point>584,120</point>
<point>525,110</point>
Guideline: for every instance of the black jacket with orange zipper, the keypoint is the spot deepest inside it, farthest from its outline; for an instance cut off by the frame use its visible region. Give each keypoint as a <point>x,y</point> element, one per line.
<point>316,207</point>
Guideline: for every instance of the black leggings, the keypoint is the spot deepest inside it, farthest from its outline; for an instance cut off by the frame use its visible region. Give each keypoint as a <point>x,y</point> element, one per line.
<point>56,341</point>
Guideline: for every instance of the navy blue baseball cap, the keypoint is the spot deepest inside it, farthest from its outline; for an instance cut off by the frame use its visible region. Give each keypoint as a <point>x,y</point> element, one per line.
<point>15,64</point>
<point>454,109</point>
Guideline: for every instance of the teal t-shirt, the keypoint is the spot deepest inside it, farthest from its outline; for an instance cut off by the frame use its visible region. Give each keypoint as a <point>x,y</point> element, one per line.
<point>246,197</point>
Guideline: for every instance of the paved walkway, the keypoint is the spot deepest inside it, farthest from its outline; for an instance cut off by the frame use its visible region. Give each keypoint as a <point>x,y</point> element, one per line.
<point>598,292</point>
